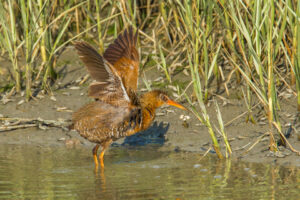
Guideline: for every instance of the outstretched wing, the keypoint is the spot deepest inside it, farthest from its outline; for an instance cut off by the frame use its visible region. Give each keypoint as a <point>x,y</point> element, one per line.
<point>108,86</point>
<point>124,57</point>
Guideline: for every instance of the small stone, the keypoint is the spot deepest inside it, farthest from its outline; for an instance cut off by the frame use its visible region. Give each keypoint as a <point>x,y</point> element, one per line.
<point>197,165</point>
<point>144,89</point>
<point>170,111</point>
<point>175,95</point>
<point>160,114</point>
<point>288,115</point>
<point>39,96</point>
<point>61,108</point>
<point>158,79</point>
<point>62,139</point>
<point>177,149</point>
<point>53,98</point>
<point>172,88</point>
<point>262,123</point>
<point>218,176</point>
<point>280,154</point>
<point>21,102</point>
<point>42,127</point>
<point>184,117</point>
<point>72,142</point>
<point>78,80</point>
<point>185,72</point>
<point>165,123</point>
<point>74,88</point>
<point>263,119</point>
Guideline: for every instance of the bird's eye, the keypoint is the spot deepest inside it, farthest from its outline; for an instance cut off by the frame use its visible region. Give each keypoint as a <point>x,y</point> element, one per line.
<point>164,98</point>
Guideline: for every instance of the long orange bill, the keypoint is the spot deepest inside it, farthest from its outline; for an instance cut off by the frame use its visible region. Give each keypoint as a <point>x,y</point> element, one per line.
<point>173,103</point>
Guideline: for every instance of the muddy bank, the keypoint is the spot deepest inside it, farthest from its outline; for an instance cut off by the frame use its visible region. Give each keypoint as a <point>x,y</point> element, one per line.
<point>169,131</point>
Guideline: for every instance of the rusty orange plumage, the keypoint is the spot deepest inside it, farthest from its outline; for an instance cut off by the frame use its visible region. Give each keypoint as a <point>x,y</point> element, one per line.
<point>118,111</point>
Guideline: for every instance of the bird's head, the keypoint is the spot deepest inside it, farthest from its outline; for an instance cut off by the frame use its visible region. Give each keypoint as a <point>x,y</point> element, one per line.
<point>157,98</point>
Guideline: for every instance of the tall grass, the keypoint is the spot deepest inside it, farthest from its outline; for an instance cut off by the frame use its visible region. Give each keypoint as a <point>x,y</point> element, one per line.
<point>9,39</point>
<point>249,44</point>
<point>37,33</point>
<point>296,44</point>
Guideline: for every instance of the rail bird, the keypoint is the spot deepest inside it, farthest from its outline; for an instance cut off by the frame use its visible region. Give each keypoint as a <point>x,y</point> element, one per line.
<point>118,110</point>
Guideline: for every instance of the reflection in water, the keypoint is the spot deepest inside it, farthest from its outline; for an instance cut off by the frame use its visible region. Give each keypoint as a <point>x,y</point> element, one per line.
<point>28,172</point>
<point>100,173</point>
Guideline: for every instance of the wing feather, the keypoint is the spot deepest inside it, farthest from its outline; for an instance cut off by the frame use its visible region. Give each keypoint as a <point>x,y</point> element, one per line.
<point>93,61</point>
<point>108,86</point>
<point>123,55</point>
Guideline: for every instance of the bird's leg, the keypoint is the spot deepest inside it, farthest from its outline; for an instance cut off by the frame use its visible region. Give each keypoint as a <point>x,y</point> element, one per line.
<point>105,145</point>
<point>95,149</point>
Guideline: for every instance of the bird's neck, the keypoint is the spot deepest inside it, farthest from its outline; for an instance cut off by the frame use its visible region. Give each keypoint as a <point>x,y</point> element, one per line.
<point>148,112</point>
<point>148,106</point>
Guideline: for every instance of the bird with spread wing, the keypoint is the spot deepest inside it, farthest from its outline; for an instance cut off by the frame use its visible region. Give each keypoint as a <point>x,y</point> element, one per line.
<point>118,111</point>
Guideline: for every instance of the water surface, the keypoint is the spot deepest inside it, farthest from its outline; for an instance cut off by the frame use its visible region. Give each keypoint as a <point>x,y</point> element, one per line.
<point>32,172</point>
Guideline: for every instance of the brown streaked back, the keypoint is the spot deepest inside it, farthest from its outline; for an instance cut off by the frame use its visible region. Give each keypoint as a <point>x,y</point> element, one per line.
<point>99,121</point>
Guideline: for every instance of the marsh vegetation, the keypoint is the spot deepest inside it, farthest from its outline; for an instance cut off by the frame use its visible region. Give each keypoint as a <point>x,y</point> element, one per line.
<point>249,49</point>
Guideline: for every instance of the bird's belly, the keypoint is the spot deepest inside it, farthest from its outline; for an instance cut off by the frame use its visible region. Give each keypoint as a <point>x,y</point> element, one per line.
<point>101,135</point>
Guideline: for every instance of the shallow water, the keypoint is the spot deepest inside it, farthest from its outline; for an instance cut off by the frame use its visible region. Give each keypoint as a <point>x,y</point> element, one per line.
<point>31,172</point>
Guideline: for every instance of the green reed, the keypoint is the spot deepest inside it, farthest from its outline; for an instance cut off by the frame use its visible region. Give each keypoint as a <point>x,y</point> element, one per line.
<point>296,42</point>
<point>28,40</point>
<point>260,50</point>
<point>9,39</point>
<point>205,117</point>
<point>201,52</point>
<point>39,34</point>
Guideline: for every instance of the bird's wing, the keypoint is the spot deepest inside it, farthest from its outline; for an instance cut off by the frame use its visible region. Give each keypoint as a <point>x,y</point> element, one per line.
<point>99,121</point>
<point>108,86</point>
<point>124,57</point>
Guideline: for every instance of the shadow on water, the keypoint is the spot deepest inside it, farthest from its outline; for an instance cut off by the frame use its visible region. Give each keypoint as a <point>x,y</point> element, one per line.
<point>133,148</point>
<point>153,135</point>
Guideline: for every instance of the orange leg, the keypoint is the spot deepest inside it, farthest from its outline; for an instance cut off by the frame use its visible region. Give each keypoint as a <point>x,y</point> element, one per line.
<point>104,147</point>
<point>95,149</point>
